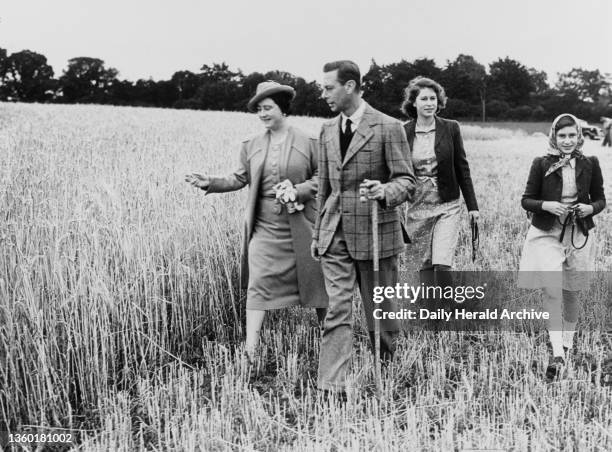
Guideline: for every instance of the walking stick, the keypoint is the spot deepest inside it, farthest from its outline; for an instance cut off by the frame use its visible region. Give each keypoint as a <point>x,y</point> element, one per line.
<point>375,253</point>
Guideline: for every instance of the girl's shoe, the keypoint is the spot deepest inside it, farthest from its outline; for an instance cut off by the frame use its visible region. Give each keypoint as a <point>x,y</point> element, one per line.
<point>252,367</point>
<point>555,368</point>
<point>249,357</point>
<point>569,338</point>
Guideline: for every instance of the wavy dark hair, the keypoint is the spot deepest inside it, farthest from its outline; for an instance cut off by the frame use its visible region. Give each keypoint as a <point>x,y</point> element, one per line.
<point>414,88</point>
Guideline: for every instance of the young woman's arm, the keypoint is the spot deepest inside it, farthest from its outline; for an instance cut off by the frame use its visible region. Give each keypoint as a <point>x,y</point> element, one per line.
<point>530,200</point>
<point>462,169</point>
<point>596,190</point>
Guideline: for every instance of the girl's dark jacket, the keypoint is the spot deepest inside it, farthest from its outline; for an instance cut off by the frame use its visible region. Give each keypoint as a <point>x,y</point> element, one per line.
<point>589,182</point>
<point>453,167</point>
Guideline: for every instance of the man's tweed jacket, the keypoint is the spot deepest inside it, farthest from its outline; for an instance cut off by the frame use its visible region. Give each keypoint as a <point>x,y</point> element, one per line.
<point>378,151</point>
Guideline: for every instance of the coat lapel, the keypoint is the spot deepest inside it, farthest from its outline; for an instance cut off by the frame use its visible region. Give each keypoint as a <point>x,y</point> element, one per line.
<point>258,157</point>
<point>411,132</point>
<point>361,137</point>
<point>333,130</point>
<point>549,162</point>
<point>440,132</point>
<point>580,164</point>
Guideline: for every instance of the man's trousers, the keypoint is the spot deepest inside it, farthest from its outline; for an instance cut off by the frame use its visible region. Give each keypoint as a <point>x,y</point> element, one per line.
<point>341,273</point>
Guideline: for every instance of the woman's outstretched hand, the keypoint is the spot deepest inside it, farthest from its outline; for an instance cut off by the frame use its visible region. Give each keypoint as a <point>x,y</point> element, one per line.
<point>198,180</point>
<point>474,215</point>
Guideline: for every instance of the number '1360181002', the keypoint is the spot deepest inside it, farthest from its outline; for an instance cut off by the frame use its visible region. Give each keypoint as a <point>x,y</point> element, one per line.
<point>40,437</point>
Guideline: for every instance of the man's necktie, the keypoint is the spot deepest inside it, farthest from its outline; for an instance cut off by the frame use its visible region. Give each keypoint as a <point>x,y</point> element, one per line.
<point>347,128</point>
<point>345,137</point>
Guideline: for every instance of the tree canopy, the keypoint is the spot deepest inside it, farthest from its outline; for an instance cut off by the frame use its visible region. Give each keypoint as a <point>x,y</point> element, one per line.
<point>505,90</point>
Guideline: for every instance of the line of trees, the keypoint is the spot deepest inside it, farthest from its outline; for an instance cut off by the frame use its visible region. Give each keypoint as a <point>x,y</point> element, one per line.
<point>507,90</point>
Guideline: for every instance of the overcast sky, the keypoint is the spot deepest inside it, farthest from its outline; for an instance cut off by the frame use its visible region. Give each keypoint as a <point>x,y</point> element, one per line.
<point>155,38</point>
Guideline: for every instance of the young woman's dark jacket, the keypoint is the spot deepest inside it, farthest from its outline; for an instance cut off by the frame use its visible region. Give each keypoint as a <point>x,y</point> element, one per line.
<point>453,167</point>
<point>589,182</point>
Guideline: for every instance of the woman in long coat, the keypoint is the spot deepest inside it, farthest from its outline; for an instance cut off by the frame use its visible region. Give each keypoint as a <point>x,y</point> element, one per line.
<point>280,167</point>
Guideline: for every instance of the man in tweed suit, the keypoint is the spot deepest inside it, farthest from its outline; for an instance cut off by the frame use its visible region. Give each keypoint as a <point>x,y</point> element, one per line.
<point>360,148</point>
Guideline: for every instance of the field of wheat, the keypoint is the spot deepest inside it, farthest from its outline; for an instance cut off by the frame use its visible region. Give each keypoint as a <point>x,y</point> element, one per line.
<point>121,318</point>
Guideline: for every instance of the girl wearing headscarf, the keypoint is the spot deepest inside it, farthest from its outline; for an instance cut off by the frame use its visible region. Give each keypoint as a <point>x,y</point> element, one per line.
<point>563,193</point>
